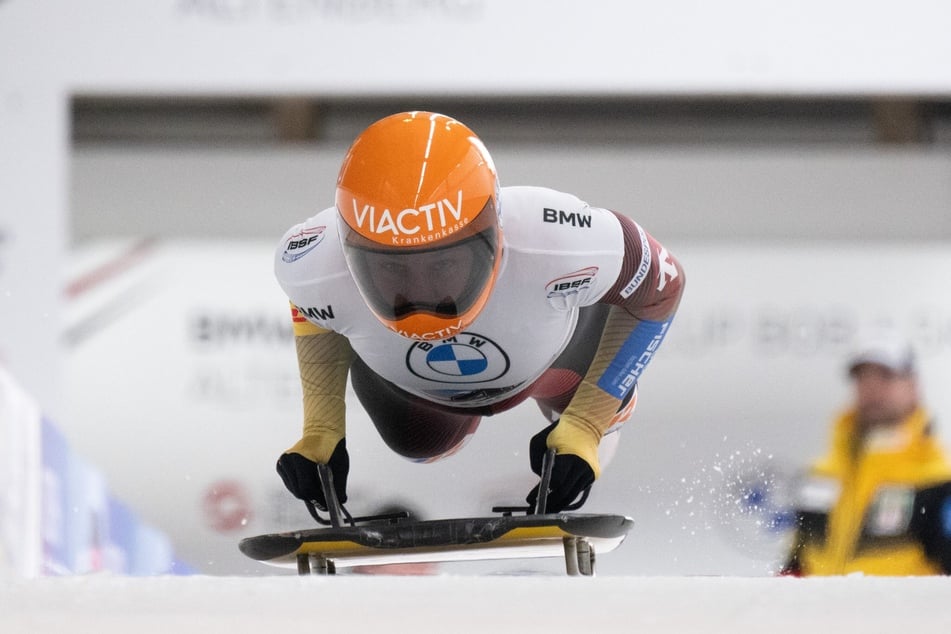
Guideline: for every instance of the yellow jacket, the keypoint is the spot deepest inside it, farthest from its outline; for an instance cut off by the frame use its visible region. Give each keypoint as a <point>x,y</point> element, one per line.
<point>877,508</point>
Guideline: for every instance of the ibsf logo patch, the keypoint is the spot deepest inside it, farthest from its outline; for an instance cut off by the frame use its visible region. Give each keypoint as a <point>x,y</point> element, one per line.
<point>465,358</point>
<point>570,290</point>
<point>571,283</point>
<point>302,243</point>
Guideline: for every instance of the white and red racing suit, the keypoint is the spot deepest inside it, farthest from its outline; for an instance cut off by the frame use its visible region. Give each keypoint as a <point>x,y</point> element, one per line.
<point>583,299</point>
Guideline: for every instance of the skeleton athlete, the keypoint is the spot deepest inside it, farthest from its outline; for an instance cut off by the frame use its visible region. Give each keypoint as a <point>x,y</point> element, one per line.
<point>446,298</point>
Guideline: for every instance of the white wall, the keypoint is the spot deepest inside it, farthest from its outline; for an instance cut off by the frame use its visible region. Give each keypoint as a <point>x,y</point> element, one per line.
<point>691,193</point>
<point>481,46</point>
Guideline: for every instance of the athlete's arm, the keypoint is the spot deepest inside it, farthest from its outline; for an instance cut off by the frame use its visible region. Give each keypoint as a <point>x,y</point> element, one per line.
<point>324,360</point>
<point>644,299</point>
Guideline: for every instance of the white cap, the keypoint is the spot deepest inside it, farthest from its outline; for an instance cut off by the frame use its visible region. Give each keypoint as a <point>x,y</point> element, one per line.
<point>885,347</point>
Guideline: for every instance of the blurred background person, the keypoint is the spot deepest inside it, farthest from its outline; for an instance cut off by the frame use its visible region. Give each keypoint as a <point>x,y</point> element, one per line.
<point>879,502</point>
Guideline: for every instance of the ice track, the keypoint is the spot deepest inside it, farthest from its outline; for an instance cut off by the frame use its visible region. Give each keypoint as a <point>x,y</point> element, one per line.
<point>445,603</point>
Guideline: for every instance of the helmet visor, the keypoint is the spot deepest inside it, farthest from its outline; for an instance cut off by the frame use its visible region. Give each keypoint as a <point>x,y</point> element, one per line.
<point>444,280</point>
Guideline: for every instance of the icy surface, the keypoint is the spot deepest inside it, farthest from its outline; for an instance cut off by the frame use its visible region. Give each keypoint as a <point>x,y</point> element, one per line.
<point>449,603</point>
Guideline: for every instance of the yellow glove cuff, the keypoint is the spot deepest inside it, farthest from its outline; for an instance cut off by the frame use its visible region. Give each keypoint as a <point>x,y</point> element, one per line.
<point>316,448</point>
<point>573,436</point>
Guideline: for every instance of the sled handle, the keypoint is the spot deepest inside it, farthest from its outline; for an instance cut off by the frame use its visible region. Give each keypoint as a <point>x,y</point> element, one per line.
<point>548,463</point>
<point>334,508</point>
<point>541,502</point>
<point>391,518</point>
<point>336,511</point>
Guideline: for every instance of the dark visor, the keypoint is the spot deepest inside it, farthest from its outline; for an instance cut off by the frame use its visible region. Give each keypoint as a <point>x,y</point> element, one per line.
<point>444,281</point>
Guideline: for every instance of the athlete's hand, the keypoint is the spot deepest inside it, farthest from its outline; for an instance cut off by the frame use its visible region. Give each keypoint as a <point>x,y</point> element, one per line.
<point>570,474</point>
<point>300,475</point>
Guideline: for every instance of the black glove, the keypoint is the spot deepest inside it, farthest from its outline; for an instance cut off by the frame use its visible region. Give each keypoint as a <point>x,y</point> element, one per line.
<point>301,478</point>
<point>570,475</point>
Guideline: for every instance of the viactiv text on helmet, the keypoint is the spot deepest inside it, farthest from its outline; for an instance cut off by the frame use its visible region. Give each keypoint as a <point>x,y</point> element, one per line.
<point>427,223</point>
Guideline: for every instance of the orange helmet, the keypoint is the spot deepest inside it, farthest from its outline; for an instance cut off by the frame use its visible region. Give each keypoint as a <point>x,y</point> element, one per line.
<point>418,205</point>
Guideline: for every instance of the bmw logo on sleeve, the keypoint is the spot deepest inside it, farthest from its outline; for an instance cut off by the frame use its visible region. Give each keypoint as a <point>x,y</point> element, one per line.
<point>465,358</point>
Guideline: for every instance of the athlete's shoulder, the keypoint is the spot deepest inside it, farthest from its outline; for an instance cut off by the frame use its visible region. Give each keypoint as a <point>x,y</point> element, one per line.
<point>556,219</point>
<point>518,199</point>
<point>309,251</point>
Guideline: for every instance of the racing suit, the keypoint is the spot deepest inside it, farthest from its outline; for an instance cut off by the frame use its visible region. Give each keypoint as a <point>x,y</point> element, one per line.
<point>583,299</point>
